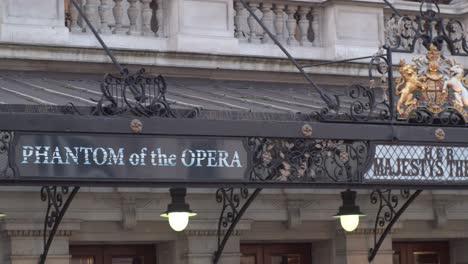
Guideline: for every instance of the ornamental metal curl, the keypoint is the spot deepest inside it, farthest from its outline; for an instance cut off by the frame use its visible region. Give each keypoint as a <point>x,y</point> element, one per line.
<point>58,200</point>
<point>361,102</point>
<point>7,163</point>
<point>140,93</point>
<point>388,213</point>
<point>231,201</point>
<point>405,33</point>
<point>447,117</point>
<point>231,214</point>
<point>302,160</point>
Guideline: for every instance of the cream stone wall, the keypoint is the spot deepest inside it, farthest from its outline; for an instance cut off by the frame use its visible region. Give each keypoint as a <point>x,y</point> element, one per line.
<point>97,216</point>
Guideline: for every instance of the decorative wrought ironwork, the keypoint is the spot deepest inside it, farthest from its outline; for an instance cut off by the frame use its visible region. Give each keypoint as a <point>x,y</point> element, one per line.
<point>140,93</point>
<point>316,160</point>
<point>231,214</point>
<point>7,164</point>
<point>405,33</point>
<point>58,200</point>
<point>364,102</point>
<point>388,213</point>
<point>231,201</point>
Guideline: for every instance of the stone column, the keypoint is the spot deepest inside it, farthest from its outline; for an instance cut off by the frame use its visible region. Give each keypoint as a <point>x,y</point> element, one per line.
<point>353,248</point>
<point>22,242</point>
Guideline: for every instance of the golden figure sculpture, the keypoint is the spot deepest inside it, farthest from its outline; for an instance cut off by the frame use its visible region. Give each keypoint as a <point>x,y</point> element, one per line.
<point>407,84</point>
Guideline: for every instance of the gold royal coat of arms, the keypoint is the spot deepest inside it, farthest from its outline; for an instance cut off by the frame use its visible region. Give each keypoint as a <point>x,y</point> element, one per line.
<point>433,84</point>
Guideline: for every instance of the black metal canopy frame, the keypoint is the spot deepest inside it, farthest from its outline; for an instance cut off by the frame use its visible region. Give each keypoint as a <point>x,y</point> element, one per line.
<point>364,138</point>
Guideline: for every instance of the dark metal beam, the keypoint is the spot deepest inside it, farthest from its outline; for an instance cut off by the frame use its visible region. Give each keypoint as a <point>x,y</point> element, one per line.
<point>227,128</point>
<point>387,209</point>
<point>233,219</point>
<point>56,209</point>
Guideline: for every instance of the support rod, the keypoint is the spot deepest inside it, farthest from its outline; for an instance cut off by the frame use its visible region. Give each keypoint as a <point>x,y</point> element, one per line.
<point>331,102</point>
<point>338,61</point>
<point>233,225</point>
<point>392,7</point>
<point>57,221</point>
<point>373,251</point>
<point>96,34</point>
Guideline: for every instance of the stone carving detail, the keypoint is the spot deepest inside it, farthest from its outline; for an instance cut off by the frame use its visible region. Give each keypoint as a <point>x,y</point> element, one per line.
<point>145,17</point>
<point>253,37</point>
<point>146,14</point>
<point>291,24</point>
<point>91,9</point>
<point>267,19</point>
<point>118,12</point>
<point>132,13</point>
<point>104,9</point>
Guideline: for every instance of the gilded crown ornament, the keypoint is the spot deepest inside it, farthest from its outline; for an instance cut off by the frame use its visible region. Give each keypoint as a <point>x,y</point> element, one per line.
<point>433,87</point>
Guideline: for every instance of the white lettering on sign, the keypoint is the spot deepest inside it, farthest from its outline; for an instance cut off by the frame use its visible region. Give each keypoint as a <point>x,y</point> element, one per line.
<point>428,163</point>
<point>105,156</point>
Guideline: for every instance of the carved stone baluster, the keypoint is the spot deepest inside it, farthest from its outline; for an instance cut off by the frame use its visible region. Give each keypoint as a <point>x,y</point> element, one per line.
<point>132,13</point>
<point>104,13</point>
<point>291,24</point>
<point>74,27</point>
<point>316,41</point>
<point>146,14</point>
<point>304,25</point>
<point>238,19</point>
<point>267,19</point>
<point>118,17</point>
<point>159,18</point>
<point>253,38</point>
<point>91,11</point>
<point>279,22</point>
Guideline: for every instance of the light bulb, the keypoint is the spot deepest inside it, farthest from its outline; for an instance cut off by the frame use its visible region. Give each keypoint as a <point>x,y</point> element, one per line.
<point>349,222</point>
<point>178,220</point>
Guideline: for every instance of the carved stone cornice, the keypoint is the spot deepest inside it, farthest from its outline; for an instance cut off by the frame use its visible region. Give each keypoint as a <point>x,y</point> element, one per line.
<point>35,233</point>
<point>31,228</point>
<point>210,228</point>
<point>366,229</point>
<point>211,232</point>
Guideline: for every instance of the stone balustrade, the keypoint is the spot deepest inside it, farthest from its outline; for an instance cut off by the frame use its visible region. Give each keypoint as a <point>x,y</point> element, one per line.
<point>130,17</point>
<point>293,23</point>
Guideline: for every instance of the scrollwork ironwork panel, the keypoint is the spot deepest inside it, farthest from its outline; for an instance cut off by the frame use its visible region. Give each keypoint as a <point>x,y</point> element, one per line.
<point>58,200</point>
<point>316,160</point>
<point>231,213</point>
<point>391,206</point>
<point>364,102</point>
<point>140,93</point>
<point>405,33</point>
<point>231,200</point>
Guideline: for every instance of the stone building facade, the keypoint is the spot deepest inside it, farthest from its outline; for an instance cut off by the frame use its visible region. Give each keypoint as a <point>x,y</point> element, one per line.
<point>213,40</point>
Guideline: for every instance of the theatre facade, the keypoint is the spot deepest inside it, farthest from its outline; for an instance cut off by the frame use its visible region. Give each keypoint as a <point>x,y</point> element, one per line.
<point>264,121</point>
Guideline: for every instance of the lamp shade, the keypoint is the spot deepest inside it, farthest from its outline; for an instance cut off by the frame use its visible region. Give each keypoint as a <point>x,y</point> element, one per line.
<point>178,211</point>
<point>349,212</point>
